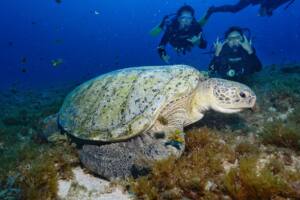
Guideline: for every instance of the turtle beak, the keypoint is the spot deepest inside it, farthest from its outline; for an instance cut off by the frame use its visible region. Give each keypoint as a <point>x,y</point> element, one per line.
<point>255,108</point>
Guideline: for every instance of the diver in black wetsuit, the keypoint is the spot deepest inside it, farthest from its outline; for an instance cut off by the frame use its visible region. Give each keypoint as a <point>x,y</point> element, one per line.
<point>266,7</point>
<point>183,33</point>
<point>235,58</point>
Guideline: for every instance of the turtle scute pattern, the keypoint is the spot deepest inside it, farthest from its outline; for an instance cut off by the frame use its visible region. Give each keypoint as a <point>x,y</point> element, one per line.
<point>123,103</point>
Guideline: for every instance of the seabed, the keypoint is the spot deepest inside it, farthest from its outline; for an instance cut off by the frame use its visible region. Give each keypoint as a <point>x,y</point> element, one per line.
<point>250,155</point>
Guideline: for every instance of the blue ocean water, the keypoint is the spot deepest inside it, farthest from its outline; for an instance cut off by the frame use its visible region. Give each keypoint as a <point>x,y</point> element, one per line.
<point>96,36</point>
<point>49,46</point>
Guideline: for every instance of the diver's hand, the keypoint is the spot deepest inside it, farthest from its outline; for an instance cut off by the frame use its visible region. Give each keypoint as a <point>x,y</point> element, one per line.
<point>218,45</point>
<point>195,40</point>
<point>163,54</point>
<point>247,45</point>
<point>231,73</point>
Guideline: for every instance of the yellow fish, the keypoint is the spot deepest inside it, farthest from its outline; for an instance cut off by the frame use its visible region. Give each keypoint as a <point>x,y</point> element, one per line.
<point>56,62</point>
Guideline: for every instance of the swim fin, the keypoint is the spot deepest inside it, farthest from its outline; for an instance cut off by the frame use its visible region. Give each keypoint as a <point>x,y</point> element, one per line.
<point>203,20</point>
<point>156,30</point>
<point>159,28</point>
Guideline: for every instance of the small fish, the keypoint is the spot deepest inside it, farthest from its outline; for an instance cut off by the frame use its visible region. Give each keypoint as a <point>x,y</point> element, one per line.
<point>10,43</point>
<point>58,41</point>
<point>96,12</point>
<point>58,1</point>
<point>23,60</point>
<point>56,62</point>
<point>23,70</point>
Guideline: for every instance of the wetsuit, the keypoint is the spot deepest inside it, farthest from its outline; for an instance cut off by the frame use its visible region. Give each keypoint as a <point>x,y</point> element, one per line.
<point>240,61</point>
<point>178,37</point>
<point>269,5</point>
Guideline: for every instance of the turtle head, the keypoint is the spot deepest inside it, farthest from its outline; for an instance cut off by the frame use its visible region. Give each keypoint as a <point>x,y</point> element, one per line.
<point>227,96</point>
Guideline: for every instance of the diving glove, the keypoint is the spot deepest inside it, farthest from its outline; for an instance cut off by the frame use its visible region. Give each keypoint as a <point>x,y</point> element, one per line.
<point>161,51</point>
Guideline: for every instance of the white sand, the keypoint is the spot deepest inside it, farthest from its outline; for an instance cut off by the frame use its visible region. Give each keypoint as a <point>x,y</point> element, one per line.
<point>87,187</point>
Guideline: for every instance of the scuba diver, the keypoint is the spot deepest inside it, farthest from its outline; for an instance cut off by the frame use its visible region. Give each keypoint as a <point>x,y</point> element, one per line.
<point>266,7</point>
<point>182,32</point>
<point>234,58</point>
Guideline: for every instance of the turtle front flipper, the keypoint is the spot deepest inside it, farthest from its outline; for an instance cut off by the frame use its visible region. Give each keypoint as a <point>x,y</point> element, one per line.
<point>176,139</point>
<point>171,123</point>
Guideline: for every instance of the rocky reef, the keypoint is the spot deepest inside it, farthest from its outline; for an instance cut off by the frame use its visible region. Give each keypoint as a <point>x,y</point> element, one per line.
<point>250,155</point>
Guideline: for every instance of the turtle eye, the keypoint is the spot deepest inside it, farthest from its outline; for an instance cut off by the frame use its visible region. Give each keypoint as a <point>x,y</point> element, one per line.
<point>243,94</point>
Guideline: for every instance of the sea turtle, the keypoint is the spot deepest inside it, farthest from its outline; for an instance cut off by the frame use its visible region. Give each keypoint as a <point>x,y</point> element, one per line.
<point>135,115</point>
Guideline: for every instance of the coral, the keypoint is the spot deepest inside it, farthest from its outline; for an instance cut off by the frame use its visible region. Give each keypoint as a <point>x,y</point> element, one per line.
<point>39,180</point>
<point>34,166</point>
<point>278,90</point>
<point>38,168</point>
<point>40,173</point>
<point>275,166</point>
<point>281,135</point>
<point>246,148</point>
<point>200,172</point>
<point>247,182</point>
